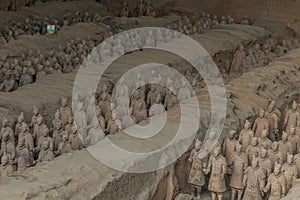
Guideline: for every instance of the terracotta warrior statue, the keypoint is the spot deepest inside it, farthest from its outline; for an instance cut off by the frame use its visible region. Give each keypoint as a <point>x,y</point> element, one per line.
<point>276,184</point>
<point>38,130</point>
<point>292,118</point>
<point>22,151</point>
<point>229,145</point>
<point>238,163</point>
<point>285,146</point>
<point>58,135</point>
<point>264,162</point>
<point>65,110</point>
<point>260,124</point>
<point>46,154</point>
<point>290,171</point>
<point>69,125</point>
<point>254,181</point>
<point>297,161</point>
<point>246,135</point>
<point>196,177</point>
<point>29,143</point>
<point>95,133</point>
<point>236,64</point>
<point>81,120</point>
<point>8,147</point>
<point>275,155</point>
<point>273,116</point>
<point>253,149</point>
<point>6,168</point>
<point>20,124</point>
<point>56,121</point>
<point>75,140</point>
<point>264,141</point>
<point>35,117</point>
<point>6,129</point>
<point>217,167</point>
<point>294,139</point>
<point>64,146</point>
<point>45,137</point>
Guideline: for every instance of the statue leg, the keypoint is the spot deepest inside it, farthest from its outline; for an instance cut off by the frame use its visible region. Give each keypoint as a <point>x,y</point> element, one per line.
<point>220,196</point>
<point>233,193</point>
<point>240,194</point>
<point>213,196</point>
<point>199,189</point>
<point>193,191</point>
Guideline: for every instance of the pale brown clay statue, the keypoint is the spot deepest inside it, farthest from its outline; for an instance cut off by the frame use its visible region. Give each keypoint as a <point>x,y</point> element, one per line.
<point>64,146</point>
<point>253,149</point>
<point>65,110</point>
<point>6,169</point>
<point>260,124</point>
<point>229,145</point>
<point>217,167</point>
<point>273,116</point>
<point>35,117</point>
<point>237,164</point>
<point>264,162</point>
<point>6,129</point>
<point>294,139</point>
<point>276,184</point>
<point>254,181</point>
<point>290,171</point>
<point>275,155</point>
<point>246,135</point>
<point>196,177</point>
<point>19,125</point>
<point>285,146</point>
<point>46,154</point>
<point>292,118</point>
<point>75,141</point>
<point>264,141</point>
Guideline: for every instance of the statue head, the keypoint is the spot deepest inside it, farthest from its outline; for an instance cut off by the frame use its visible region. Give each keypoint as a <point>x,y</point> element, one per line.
<point>294,105</point>
<point>45,145</point>
<point>238,148</point>
<point>261,113</point>
<point>4,160</point>
<point>264,134</point>
<point>198,144</point>
<point>36,110</point>
<point>290,159</point>
<point>64,101</point>
<point>45,132</point>
<point>57,115</point>
<point>263,153</point>
<point>277,169</point>
<point>247,125</point>
<point>24,128</point>
<point>254,141</point>
<point>231,134</point>
<point>292,131</point>
<point>275,146</point>
<point>217,151</point>
<point>284,136</point>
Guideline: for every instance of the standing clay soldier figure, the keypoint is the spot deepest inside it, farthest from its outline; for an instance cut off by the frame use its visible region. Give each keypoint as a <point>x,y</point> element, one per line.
<point>112,126</point>
<point>46,154</point>
<point>35,117</point>
<point>6,169</point>
<point>29,144</point>
<point>246,135</point>
<point>140,8</point>
<point>217,167</point>
<point>196,177</point>
<point>6,129</point>
<point>95,133</point>
<point>275,155</point>
<point>294,139</point>
<point>100,118</point>
<point>276,184</point>
<point>38,130</point>
<point>64,146</point>
<point>292,118</point>
<point>56,121</point>
<point>22,151</point>
<point>239,56</point>
<point>8,147</point>
<point>68,127</point>
<point>273,116</point>
<point>253,149</point>
<point>290,171</point>
<point>254,181</point>
<point>285,146</point>
<point>238,163</point>
<point>260,124</point>
<point>81,120</point>
<point>264,141</point>
<point>75,141</point>
<point>297,161</point>
<point>65,110</point>
<point>58,135</point>
<point>125,10</point>
<point>45,137</point>
<point>229,145</point>
<point>264,162</point>
<point>20,124</point>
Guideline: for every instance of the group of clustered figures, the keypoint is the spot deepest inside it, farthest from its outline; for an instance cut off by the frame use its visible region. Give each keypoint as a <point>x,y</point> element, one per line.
<point>32,141</point>
<point>143,8</point>
<point>261,162</point>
